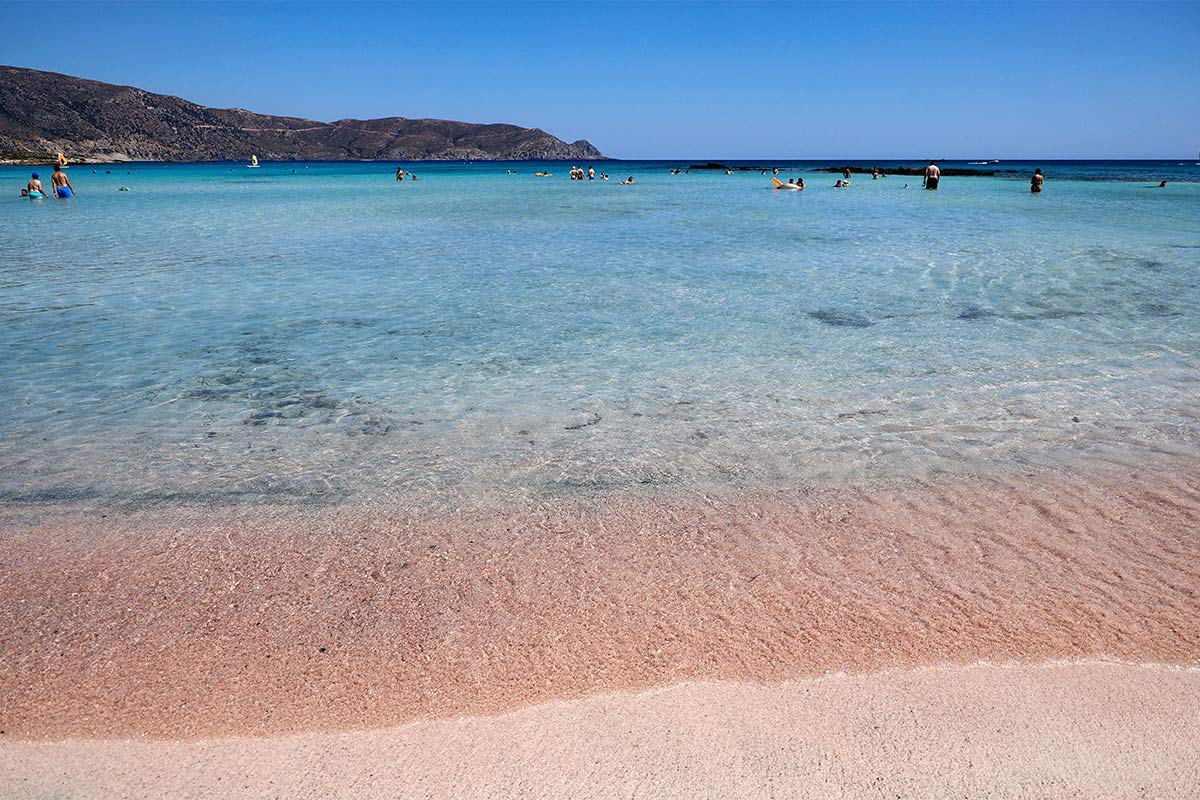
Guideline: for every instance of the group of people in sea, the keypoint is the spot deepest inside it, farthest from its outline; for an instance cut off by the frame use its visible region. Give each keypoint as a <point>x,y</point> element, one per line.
<point>59,183</point>
<point>577,174</point>
<point>931,178</point>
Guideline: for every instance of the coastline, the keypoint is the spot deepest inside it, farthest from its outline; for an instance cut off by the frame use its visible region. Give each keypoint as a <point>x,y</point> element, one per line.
<point>280,621</point>
<point>1047,731</point>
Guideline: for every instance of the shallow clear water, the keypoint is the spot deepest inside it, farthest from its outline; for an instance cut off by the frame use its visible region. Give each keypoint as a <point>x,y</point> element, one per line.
<point>220,333</point>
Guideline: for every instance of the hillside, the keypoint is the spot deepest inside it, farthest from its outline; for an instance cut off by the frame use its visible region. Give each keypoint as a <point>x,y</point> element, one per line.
<point>44,112</point>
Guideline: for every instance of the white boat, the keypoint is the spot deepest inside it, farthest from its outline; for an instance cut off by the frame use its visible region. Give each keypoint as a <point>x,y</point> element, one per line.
<point>253,161</point>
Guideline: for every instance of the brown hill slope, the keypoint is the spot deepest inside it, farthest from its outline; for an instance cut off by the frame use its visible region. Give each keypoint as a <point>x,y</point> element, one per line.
<point>44,112</point>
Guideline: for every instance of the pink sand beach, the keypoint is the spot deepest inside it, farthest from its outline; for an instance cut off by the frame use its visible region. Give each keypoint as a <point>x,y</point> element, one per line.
<point>1032,636</point>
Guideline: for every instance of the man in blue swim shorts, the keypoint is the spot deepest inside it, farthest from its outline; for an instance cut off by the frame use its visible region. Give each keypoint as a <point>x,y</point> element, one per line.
<point>62,184</point>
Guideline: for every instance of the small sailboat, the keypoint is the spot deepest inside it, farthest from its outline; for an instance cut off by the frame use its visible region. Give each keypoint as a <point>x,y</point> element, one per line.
<point>253,161</point>
<point>61,160</point>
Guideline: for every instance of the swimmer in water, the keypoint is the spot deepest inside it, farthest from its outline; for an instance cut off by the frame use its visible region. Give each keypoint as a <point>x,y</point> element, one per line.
<point>1035,183</point>
<point>628,181</point>
<point>34,187</point>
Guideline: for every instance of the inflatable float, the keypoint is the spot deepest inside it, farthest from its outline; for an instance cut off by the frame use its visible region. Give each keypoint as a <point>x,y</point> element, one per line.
<point>795,187</point>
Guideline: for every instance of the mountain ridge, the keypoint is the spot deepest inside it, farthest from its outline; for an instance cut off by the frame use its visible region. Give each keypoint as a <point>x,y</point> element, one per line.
<point>44,113</point>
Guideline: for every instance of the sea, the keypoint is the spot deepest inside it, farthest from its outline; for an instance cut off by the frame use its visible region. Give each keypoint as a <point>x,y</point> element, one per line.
<point>321,333</point>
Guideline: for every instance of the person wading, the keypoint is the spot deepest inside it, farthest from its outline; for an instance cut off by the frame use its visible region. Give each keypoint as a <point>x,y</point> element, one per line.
<point>932,176</point>
<point>61,183</point>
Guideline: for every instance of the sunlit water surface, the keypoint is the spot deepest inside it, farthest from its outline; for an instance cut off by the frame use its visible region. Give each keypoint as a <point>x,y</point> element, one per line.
<point>222,334</point>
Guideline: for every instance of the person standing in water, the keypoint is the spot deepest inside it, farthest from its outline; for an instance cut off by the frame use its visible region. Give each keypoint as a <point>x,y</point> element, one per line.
<point>932,176</point>
<point>62,184</point>
<point>591,173</point>
<point>34,187</point>
<point>1035,183</point>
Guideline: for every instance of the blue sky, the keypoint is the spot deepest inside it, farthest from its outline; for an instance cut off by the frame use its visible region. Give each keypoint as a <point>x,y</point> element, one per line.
<point>663,80</point>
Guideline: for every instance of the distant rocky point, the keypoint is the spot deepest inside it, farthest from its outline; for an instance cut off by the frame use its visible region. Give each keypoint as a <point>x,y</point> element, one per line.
<point>44,113</point>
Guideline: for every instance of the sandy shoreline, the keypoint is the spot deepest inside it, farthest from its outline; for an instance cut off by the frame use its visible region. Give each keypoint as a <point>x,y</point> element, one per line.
<point>1053,731</point>
<point>267,624</point>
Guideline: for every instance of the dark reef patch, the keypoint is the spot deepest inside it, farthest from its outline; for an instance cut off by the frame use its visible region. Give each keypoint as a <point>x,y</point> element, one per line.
<point>1159,310</point>
<point>975,312</point>
<point>840,319</point>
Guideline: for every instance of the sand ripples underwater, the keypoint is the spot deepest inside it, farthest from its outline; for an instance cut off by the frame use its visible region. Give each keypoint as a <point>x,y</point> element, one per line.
<point>261,622</point>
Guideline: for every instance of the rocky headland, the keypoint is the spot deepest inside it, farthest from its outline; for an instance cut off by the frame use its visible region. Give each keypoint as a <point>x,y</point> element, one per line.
<point>44,113</point>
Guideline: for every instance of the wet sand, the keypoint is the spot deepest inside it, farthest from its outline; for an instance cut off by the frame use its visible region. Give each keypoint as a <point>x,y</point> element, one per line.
<point>1057,731</point>
<point>210,624</point>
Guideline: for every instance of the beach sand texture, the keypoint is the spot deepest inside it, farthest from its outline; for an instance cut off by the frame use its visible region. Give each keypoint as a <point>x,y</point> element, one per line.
<point>283,622</point>
<point>1055,731</point>
<point>653,646</point>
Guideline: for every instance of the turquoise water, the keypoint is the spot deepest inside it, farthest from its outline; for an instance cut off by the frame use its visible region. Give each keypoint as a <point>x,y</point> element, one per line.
<point>225,334</point>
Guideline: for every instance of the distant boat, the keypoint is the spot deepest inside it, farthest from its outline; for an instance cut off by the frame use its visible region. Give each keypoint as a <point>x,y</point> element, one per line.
<point>253,161</point>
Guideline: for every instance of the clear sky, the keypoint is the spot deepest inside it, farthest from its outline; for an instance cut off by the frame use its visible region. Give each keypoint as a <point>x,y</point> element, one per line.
<point>673,80</point>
